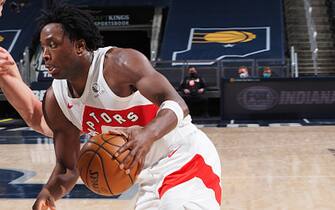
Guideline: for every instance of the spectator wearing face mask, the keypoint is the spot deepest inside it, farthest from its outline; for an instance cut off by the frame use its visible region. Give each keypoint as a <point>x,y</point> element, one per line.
<point>193,84</point>
<point>243,72</point>
<point>193,89</point>
<point>267,72</point>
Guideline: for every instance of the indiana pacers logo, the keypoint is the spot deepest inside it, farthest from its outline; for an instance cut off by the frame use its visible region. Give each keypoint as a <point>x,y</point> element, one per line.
<point>224,37</point>
<point>208,45</point>
<point>2,38</point>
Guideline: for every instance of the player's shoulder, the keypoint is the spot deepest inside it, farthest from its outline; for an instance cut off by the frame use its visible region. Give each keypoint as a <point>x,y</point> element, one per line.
<point>124,55</point>
<point>122,51</point>
<point>49,96</point>
<point>50,105</point>
<point>53,113</point>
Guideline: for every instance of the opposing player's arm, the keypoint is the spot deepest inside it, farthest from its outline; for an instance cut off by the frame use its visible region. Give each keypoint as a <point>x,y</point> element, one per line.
<point>5,60</point>
<point>20,95</point>
<point>67,146</point>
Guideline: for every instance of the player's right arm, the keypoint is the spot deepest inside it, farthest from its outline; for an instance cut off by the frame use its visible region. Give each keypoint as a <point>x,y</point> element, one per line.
<point>20,95</point>
<point>67,147</point>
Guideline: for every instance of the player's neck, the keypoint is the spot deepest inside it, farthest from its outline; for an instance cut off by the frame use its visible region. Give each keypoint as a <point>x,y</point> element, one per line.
<point>78,83</point>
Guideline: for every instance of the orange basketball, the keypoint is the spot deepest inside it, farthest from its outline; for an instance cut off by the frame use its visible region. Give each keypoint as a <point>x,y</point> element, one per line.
<point>99,169</point>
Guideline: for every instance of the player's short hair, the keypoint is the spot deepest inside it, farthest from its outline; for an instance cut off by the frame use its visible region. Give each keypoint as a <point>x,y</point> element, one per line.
<point>77,24</point>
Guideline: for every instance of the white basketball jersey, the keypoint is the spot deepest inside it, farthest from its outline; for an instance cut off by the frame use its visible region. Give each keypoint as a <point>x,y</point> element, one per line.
<point>99,109</point>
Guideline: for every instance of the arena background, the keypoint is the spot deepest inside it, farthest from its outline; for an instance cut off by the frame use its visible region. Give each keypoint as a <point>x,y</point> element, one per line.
<point>295,38</point>
<point>296,42</point>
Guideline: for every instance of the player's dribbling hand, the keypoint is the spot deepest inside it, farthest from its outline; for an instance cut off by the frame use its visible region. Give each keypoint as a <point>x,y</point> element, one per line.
<point>44,201</point>
<point>6,61</point>
<point>118,131</point>
<point>139,144</point>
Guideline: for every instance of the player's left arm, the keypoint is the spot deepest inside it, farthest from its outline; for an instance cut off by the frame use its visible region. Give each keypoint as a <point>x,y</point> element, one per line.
<point>158,90</point>
<point>67,147</point>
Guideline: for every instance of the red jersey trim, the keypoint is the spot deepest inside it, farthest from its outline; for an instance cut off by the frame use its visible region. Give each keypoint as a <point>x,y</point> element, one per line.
<point>194,168</point>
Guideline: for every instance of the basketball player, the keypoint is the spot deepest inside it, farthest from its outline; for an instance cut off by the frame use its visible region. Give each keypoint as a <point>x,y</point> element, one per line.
<point>96,90</point>
<point>19,94</point>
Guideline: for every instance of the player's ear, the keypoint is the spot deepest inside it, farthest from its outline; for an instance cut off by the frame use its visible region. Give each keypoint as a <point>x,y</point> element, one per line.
<point>80,46</point>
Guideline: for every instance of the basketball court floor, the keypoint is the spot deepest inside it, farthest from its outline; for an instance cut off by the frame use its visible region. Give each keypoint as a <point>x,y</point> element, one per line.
<point>263,168</point>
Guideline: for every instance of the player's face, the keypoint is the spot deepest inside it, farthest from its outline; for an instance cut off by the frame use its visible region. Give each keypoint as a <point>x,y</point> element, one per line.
<point>59,52</point>
<point>2,2</point>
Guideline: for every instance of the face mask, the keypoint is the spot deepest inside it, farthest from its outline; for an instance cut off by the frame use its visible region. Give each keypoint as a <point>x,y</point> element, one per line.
<point>193,75</point>
<point>266,75</point>
<point>244,75</point>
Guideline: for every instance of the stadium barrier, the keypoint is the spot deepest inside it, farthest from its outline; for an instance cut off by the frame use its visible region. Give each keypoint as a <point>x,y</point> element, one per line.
<point>277,98</point>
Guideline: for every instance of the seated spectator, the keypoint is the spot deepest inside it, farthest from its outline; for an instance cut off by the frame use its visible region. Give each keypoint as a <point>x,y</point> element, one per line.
<point>267,72</point>
<point>193,84</point>
<point>243,72</point>
<point>193,89</point>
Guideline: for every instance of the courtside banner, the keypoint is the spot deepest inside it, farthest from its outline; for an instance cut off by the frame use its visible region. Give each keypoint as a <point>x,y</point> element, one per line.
<point>289,98</point>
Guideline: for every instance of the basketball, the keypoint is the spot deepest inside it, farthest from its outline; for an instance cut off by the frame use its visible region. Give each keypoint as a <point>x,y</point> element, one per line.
<point>99,169</point>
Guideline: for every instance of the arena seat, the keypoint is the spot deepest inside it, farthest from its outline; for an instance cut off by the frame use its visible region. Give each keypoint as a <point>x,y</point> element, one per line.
<point>174,75</point>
